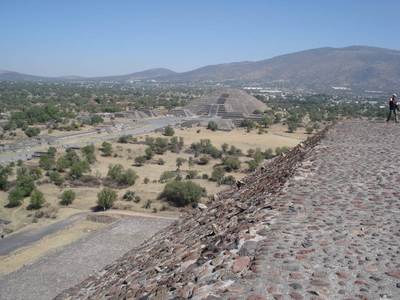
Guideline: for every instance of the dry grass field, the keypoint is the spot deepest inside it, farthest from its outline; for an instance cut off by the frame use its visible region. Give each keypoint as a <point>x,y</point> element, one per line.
<point>124,154</point>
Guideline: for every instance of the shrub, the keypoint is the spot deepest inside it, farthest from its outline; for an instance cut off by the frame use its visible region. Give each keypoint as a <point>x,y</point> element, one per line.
<point>250,152</point>
<point>167,176</point>
<point>121,176</point>
<point>106,198</point>
<point>179,162</point>
<point>252,165</point>
<point>15,197</point>
<point>37,200</point>
<point>309,129</point>
<point>89,153</point>
<point>140,160</point>
<point>217,174</point>
<point>160,145</point>
<point>234,151</point>
<point>228,180</point>
<point>125,139</point>
<point>96,120</point>
<point>78,168</point>
<point>4,173</point>
<point>62,164</point>
<point>268,153</point>
<point>147,204</point>
<point>205,147</point>
<point>51,151</point>
<point>47,162</point>
<point>249,124</point>
<point>212,126</point>
<point>192,174</point>
<point>106,149</point>
<point>129,196</point>
<point>32,131</point>
<point>67,197</point>
<point>25,182</point>
<point>280,150</point>
<point>203,160</point>
<point>231,163</point>
<point>258,156</point>
<point>56,178</point>
<point>160,162</point>
<point>149,153</point>
<point>36,173</point>
<point>146,180</point>
<point>224,147</point>
<point>181,193</point>
<point>204,176</point>
<point>169,131</point>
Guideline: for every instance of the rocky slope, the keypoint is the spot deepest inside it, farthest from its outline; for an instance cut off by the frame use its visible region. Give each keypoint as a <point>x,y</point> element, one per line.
<point>207,251</point>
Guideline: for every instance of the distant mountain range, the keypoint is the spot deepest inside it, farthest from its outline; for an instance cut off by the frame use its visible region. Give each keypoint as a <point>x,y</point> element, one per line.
<point>356,67</point>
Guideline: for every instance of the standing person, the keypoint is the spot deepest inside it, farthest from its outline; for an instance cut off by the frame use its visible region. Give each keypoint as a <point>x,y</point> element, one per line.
<point>392,108</point>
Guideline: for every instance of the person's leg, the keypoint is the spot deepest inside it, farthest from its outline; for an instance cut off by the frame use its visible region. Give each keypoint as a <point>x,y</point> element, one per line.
<point>395,116</point>
<point>389,115</point>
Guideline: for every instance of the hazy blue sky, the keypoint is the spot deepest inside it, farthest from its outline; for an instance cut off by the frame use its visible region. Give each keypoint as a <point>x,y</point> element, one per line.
<point>103,37</point>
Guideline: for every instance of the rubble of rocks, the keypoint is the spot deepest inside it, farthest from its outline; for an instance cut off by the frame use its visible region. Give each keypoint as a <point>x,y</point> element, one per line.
<point>210,248</point>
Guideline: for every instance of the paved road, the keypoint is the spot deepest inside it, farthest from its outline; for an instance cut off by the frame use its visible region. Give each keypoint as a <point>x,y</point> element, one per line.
<point>24,150</point>
<point>338,233</point>
<point>27,237</point>
<point>64,268</point>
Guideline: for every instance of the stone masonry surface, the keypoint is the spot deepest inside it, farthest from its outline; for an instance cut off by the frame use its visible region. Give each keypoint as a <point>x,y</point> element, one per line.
<point>321,222</point>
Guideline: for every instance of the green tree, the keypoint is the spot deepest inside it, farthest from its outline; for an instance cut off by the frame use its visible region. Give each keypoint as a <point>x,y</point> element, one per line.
<point>78,169</point>
<point>169,131</point>
<point>160,145</point>
<point>15,197</point>
<point>62,164</point>
<point>47,162</point>
<point>56,178</point>
<point>106,149</point>
<point>67,197</point>
<point>32,131</point>
<point>106,198</point>
<point>181,193</point>
<point>89,153</point>
<point>37,200</point>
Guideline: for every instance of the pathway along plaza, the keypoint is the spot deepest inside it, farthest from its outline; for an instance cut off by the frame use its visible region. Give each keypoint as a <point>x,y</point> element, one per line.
<point>322,222</point>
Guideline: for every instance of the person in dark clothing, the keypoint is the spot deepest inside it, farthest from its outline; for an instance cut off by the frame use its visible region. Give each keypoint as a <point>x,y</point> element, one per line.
<point>393,107</point>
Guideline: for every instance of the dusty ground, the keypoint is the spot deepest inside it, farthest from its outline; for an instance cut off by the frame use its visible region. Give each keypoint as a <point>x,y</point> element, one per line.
<point>86,197</point>
<point>65,266</point>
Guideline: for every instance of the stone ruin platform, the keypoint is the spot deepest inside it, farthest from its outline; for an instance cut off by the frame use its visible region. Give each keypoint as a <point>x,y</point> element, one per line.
<point>321,222</point>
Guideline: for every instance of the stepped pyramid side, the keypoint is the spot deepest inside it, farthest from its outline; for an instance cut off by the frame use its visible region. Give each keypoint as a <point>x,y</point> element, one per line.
<point>232,103</point>
<point>207,250</point>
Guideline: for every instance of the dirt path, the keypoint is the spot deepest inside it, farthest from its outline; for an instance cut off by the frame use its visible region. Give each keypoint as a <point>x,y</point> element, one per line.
<point>65,267</point>
<point>27,237</point>
<point>338,233</point>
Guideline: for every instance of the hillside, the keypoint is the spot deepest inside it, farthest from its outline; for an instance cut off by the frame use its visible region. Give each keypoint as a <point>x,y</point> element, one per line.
<point>147,74</point>
<point>356,67</point>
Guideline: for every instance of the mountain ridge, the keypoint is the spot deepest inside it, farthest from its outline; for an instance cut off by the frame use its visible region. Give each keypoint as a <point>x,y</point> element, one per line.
<point>358,67</point>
